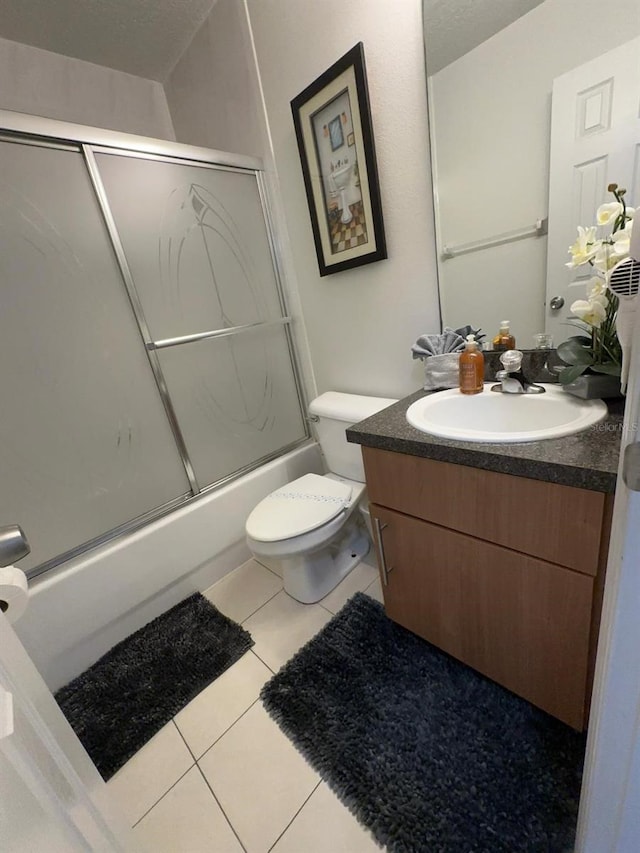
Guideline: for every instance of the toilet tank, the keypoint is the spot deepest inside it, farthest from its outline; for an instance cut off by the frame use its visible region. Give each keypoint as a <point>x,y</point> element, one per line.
<point>335,412</point>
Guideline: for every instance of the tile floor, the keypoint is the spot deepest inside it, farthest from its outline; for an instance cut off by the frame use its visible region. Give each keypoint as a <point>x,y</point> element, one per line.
<point>221,777</point>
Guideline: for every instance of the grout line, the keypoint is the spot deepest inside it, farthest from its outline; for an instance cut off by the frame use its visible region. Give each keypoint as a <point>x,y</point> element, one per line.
<point>227,729</point>
<point>188,770</point>
<point>296,814</point>
<point>261,661</point>
<point>194,756</point>
<point>264,603</point>
<point>275,574</point>
<point>226,816</point>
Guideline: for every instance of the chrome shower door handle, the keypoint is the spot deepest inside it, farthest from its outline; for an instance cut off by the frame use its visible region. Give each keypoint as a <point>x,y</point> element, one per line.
<point>556,303</point>
<point>383,560</point>
<point>13,544</point>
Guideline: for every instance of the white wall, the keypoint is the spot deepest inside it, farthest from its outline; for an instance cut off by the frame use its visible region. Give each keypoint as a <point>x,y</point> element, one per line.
<point>212,92</point>
<point>42,83</point>
<point>492,112</point>
<point>361,323</point>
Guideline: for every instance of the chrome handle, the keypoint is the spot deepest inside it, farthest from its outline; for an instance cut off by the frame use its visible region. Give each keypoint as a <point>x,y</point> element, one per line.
<point>556,303</point>
<point>13,544</point>
<point>383,560</point>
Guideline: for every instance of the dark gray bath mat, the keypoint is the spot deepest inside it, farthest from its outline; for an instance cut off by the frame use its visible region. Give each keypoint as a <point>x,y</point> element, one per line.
<point>120,702</point>
<point>428,754</point>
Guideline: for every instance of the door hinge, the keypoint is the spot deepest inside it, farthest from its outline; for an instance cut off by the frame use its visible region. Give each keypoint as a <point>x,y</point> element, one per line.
<point>631,466</point>
<point>6,713</point>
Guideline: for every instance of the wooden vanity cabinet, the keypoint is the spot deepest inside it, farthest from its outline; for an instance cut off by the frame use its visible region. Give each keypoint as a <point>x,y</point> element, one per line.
<point>502,572</point>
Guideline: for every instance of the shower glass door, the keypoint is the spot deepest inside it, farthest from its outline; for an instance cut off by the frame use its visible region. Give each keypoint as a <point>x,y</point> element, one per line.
<point>85,446</point>
<point>195,251</point>
<point>145,347</point>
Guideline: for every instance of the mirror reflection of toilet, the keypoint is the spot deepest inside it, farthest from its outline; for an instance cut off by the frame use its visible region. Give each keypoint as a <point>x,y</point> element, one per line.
<point>312,531</point>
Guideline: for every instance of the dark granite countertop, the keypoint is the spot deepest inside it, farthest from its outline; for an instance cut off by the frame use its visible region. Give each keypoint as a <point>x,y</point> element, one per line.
<point>588,460</point>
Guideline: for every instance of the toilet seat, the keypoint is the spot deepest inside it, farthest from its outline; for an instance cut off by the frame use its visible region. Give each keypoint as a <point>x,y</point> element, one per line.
<point>299,507</point>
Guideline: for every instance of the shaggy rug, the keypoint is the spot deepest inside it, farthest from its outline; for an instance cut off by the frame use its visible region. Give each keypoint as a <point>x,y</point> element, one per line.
<point>121,701</point>
<point>425,752</point>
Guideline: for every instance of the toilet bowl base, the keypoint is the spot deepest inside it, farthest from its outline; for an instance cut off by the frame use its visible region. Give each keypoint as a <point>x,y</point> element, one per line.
<point>310,577</point>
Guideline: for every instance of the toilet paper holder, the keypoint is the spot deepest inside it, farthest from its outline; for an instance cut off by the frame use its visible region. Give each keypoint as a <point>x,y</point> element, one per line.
<point>13,544</point>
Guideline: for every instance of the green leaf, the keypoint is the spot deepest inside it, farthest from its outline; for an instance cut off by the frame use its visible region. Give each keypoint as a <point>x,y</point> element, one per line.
<point>609,368</point>
<point>570,374</point>
<point>573,352</point>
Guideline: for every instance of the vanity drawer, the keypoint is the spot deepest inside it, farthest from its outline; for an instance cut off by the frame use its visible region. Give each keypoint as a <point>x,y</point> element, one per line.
<point>521,621</point>
<point>561,524</point>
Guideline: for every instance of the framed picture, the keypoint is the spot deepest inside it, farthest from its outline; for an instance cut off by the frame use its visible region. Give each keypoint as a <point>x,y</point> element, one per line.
<point>341,179</point>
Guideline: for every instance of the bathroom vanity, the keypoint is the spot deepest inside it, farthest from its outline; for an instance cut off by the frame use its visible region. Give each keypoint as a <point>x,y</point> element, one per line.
<point>496,553</point>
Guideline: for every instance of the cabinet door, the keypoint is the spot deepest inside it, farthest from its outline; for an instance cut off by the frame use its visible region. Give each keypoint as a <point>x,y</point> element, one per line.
<point>521,621</point>
<point>561,524</point>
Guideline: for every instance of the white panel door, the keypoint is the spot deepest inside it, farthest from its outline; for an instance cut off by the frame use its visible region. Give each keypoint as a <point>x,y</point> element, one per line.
<point>609,811</point>
<point>51,796</point>
<point>595,140</point>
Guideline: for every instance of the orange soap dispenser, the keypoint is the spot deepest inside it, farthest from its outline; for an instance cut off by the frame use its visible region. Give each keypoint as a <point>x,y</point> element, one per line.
<point>471,367</point>
<point>504,340</point>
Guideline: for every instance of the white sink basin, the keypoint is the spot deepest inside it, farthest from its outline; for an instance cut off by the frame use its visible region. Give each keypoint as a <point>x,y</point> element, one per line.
<point>504,418</point>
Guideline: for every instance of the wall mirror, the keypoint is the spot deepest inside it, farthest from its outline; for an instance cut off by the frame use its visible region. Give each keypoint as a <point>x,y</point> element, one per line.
<point>533,109</point>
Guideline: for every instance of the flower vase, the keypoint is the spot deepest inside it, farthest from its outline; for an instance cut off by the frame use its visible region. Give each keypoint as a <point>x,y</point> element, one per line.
<point>595,386</point>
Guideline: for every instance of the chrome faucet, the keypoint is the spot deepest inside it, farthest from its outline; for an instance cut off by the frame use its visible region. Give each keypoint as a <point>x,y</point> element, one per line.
<point>512,380</point>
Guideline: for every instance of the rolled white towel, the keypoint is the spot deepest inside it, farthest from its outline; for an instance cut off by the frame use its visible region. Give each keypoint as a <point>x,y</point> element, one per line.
<point>430,345</point>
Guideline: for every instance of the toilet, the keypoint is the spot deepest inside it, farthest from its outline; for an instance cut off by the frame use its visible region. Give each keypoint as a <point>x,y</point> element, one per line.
<point>312,531</point>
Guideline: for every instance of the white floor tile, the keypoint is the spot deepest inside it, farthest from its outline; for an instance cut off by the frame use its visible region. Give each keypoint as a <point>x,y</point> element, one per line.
<point>220,704</point>
<point>259,778</point>
<point>282,626</point>
<point>356,581</point>
<point>375,590</point>
<point>186,820</point>
<point>244,590</point>
<point>324,825</point>
<point>150,773</point>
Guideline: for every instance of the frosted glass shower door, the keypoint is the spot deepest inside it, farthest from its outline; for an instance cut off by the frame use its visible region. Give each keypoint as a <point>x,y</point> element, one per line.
<point>197,250</point>
<point>195,242</point>
<point>85,445</point>
<point>235,399</point>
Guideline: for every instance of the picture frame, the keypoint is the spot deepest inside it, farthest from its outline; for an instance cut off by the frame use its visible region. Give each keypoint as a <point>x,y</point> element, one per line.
<point>334,132</point>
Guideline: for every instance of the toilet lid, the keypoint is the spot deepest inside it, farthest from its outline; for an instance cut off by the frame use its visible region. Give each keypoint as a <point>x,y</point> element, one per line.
<point>298,507</point>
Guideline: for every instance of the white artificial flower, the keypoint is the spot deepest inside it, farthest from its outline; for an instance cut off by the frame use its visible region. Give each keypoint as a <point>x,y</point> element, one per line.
<point>630,211</point>
<point>590,312</point>
<point>621,241</point>
<point>596,287</point>
<point>600,298</point>
<point>585,247</point>
<point>607,213</point>
<point>605,258</point>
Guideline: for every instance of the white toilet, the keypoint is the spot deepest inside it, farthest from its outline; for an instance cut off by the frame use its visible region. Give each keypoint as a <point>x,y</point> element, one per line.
<point>310,531</point>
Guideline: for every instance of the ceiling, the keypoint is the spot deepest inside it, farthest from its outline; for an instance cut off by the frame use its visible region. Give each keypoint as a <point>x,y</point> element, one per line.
<point>454,27</point>
<point>147,37</point>
<point>142,37</point>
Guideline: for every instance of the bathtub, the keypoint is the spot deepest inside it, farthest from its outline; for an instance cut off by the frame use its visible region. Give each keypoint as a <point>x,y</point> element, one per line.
<point>79,610</point>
